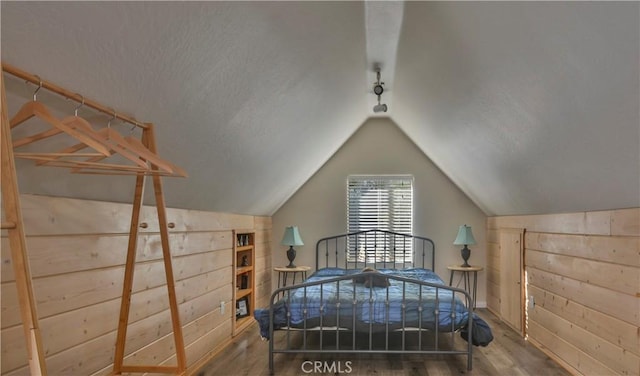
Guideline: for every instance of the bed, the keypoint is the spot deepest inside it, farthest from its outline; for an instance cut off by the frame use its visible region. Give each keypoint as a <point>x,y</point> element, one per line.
<point>372,292</point>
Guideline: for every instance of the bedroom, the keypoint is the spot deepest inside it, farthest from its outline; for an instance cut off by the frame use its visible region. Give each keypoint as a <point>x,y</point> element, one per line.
<point>566,147</point>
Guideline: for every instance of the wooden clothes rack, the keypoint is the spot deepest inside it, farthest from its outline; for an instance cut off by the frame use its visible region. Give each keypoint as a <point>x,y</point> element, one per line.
<point>146,151</point>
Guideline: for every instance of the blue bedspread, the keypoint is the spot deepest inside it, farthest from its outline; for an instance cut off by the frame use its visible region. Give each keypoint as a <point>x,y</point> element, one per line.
<point>345,303</point>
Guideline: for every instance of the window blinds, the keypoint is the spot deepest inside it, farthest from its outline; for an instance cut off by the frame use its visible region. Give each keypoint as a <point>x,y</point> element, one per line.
<point>384,203</point>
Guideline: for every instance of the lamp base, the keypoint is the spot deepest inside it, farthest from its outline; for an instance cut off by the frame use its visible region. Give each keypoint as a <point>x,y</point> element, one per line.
<point>291,255</point>
<point>465,252</point>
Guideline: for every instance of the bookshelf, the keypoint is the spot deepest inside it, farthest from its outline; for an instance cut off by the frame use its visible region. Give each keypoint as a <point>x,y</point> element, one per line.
<point>244,259</point>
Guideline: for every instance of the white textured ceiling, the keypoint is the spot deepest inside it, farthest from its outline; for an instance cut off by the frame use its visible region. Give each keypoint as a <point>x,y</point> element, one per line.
<point>528,107</point>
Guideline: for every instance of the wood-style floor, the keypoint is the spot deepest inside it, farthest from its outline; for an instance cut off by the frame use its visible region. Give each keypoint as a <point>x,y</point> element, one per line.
<point>508,354</point>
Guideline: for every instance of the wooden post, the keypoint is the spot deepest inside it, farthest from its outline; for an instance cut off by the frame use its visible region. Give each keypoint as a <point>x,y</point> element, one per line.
<point>127,285</point>
<point>148,139</point>
<point>18,245</point>
<point>150,143</point>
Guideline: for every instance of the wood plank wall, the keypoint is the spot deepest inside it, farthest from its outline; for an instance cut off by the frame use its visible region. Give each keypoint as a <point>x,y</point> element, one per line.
<point>583,271</point>
<point>77,250</point>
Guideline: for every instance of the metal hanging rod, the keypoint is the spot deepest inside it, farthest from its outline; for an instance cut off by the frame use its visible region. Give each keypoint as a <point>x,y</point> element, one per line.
<point>70,95</point>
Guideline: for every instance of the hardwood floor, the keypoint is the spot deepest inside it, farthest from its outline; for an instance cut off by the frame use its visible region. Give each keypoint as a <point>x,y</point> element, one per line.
<point>508,354</point>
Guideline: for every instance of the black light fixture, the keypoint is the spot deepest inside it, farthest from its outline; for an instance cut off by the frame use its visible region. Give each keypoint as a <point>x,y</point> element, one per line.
<point>378,90</point>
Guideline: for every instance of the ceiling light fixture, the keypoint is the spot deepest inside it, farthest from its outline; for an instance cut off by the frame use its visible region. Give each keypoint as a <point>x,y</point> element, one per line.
<point>378,90</point>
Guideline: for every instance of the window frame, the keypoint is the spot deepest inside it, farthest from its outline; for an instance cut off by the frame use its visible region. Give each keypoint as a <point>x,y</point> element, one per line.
<point>386,189</point>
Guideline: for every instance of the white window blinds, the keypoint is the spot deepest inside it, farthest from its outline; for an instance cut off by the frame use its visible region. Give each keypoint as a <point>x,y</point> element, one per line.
<point>384,203</point>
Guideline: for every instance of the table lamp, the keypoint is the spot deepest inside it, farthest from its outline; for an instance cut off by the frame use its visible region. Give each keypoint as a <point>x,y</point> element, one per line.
<point>291,237</point>
<point>465,237</point>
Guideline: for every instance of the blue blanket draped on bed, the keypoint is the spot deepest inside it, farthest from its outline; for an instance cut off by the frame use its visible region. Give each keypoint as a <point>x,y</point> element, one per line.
<point>376,305</point>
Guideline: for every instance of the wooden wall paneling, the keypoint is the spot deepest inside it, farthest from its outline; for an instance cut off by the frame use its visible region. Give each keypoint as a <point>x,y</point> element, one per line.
<point>569,356</point>
<point>197,307</point>
<point>621,222</point>
<point>615,304</point>
<point>81,359</point>
<point>615,331</point>
<point>200,263</point>
<point>14,350</point>
<point>625,222</point>
<point>10,312</point>
<point>621,278</point>
<point>583,272</point>
<point>199,284</point>
<point>614,249</point>
<point>74,216</point>
<point>493,266</point>
<point>65,292</point>
<point>493,293</point>
<point>511,278</point>
<point>196,220</point>
<point>203,347</point>
<point>66,330</point>
<point>614,357</point>
<point>17,238</point>
<point>81,325</point>
<point>49,255</point>
<point>204,304</point>
<point>570,223</point>
<point>61,293</point>
<point>94,275</point>
<point>200,242</point>
<point>68,216</point>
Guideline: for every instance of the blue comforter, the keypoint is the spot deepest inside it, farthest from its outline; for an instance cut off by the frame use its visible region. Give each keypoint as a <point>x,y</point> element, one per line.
<point>345,302</point>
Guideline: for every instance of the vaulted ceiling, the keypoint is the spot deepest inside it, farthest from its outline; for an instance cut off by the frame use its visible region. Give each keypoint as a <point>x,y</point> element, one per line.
<point>529,107</point>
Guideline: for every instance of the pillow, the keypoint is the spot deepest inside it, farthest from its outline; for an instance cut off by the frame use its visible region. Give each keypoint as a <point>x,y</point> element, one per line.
<point>375,279</point>
<point>329,272</point>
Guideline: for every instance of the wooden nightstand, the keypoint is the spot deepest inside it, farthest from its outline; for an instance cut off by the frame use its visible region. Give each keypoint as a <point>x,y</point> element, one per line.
<point>466,271</point>
<point>284,272</point>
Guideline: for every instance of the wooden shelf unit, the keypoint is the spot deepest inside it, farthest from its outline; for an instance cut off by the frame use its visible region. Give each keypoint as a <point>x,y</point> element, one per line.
<point>244,277</point>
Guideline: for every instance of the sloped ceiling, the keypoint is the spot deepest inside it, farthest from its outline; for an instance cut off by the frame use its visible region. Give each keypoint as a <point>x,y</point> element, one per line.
<point>528,107</point>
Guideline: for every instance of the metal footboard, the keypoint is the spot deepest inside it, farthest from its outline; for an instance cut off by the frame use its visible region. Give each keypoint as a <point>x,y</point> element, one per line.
<point>305,318</point>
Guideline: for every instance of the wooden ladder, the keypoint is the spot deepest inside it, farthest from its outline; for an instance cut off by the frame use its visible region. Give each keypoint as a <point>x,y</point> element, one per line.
<point>17,242</point>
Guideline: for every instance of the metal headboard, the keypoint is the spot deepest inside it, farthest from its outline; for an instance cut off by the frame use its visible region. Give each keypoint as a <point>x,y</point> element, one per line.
<point>353,250</point>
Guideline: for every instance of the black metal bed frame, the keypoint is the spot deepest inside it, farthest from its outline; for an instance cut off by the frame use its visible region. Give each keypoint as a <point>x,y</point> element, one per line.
<point>348,328</point>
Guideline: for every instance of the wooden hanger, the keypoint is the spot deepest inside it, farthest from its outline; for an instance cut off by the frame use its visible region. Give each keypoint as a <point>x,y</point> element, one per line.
<point>137,148</point>
<point>108,137</point>
<point>116,145</point>
<point>37,109</point>
<point>154,159</point>
<point>107,142</point>
<point>129,147</point>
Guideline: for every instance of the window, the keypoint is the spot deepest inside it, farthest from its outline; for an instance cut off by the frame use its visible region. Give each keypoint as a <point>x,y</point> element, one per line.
<point>384,203</point>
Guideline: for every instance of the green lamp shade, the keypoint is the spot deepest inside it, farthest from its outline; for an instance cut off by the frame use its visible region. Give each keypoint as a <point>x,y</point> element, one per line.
<point>292,236</point>
<point>465,236</point>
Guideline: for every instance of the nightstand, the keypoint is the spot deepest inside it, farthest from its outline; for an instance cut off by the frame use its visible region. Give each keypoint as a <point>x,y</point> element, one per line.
<point>466,276</point>
<point>284,272</point>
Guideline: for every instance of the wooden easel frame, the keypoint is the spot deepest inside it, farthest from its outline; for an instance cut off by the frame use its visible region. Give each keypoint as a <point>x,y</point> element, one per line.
<point>148,140</point>
<point>14,224</point>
